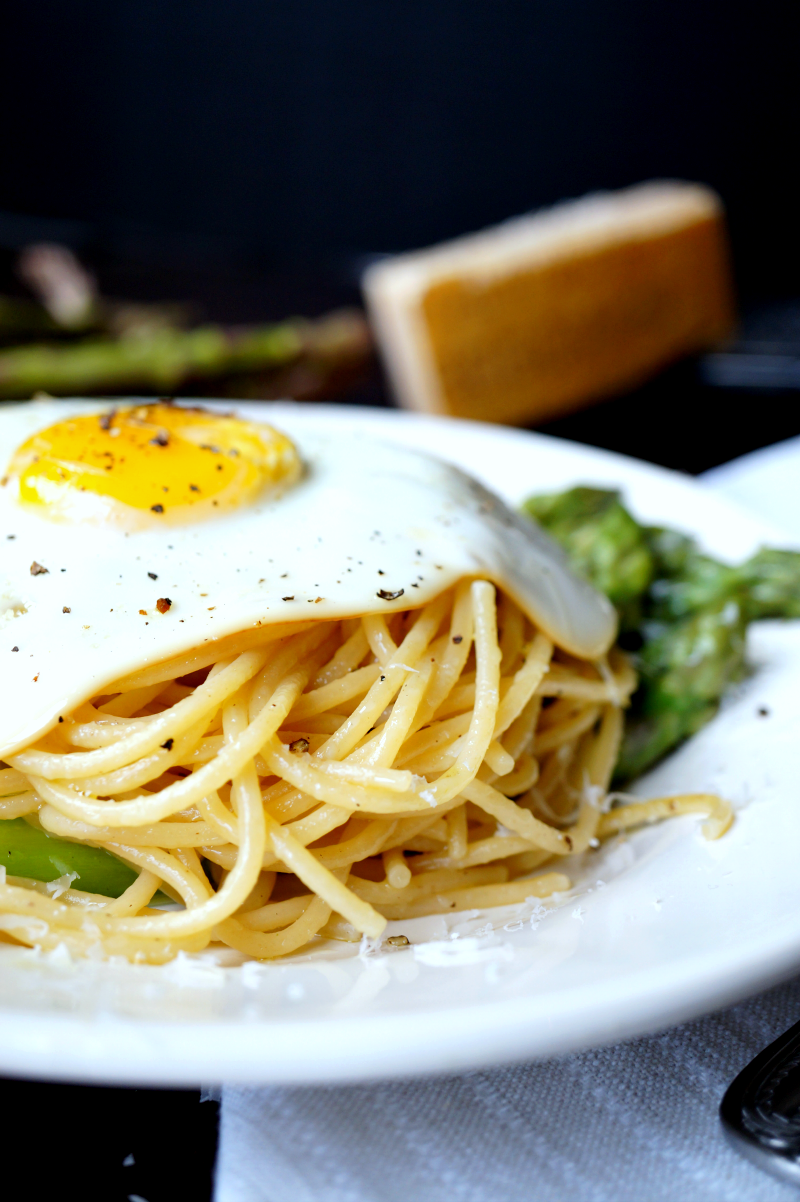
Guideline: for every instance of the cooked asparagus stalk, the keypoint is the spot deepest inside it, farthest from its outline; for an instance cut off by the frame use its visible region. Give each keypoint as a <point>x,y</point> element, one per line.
<point>682,613</point>
<point>772,582</point>
<point>684,672</point>
<point>27,851</point>
<point>162,359</point>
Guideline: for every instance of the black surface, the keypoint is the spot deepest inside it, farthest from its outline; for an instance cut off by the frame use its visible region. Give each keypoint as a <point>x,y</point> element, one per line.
<point>84,1134</point>
<point>302,130</point>
<point>679,421</point>
<point>760,1112</point>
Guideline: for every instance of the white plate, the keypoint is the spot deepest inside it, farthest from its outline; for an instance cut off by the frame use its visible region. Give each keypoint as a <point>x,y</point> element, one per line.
<point>660,927</point>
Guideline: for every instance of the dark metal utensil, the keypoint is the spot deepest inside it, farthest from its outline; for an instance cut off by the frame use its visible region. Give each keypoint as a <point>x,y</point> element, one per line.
<point>760,1112</point>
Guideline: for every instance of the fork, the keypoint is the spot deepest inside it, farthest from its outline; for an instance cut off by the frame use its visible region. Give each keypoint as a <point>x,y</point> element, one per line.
<point>760,1111</point>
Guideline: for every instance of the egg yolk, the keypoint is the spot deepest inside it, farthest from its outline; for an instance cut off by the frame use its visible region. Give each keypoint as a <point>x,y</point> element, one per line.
<point>150,464</point>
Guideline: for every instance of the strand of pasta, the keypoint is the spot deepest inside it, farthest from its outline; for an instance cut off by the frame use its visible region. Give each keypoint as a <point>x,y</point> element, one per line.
<point>398,873</point>
<point>457,833</point>
<point>369,842</point>
<point>720,814</point>
<point>126,704</point>
<point>274,915</point>
<point>481,727</point>
<point>189,791</point>
<point>481,896</point>
<point>213,652</point>
<point>11,782</point>
<point>480,851</point>
<point>456,652</point>
<point>355,684</point>
<point>19,805</point>
<point>136,896</point>
<point>524,684</point>
<point>405,658</point>
<point>168,868</point>
<point>255,824</point>
<point>346,658</point>
<point>517,819</point>
<point>549,740</point>
<point>149,767</point>
<point>278,943</point>
<point>237,885</point>
<point>443,881</point>
<point>322,881</point>
<point>511,624</point>
<point>156,834</point>
<point>560,682</point>
<point>380,641</point>
<point>142,742</point>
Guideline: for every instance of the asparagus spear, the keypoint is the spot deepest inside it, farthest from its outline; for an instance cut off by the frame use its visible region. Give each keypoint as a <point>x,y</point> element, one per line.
<point>699,583</point>
<point>684,615</point>
<point>684,671</point>
<point>161,359</point>
<point>767,585</point>
<point>772,582</point>
<point>29,852</point>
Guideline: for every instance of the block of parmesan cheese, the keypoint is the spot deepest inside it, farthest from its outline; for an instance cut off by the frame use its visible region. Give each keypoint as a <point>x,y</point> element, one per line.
<point>547,312</point>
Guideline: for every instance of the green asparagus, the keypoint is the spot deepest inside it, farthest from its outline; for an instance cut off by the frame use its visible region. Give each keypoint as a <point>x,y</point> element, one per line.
<point>684,670</point>
<point>683,614</point>
<point>27,851</point>
<point>162,358</point>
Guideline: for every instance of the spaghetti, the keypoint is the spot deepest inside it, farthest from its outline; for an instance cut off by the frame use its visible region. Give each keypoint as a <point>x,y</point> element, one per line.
<point>326,777</point>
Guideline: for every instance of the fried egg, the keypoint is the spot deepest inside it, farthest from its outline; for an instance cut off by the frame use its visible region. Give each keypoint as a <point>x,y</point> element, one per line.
<point>134,534</point>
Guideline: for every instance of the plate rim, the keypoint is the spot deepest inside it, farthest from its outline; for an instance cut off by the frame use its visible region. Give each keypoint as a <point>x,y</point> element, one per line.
<point>299,1050</point>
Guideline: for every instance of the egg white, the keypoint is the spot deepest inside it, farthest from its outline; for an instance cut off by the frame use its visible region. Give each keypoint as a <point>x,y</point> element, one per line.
<point>365,517</point>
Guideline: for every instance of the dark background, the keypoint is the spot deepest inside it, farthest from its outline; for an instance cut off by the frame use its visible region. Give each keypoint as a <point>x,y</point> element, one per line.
<point>251,156</point>
<point>303,134</point>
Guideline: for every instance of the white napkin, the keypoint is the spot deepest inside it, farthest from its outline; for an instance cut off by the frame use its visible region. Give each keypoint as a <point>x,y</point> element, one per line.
<point>632,1123</point>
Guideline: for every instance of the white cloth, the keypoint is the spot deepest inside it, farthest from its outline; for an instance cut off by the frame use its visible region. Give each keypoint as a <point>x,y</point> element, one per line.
<point>632,1123</point>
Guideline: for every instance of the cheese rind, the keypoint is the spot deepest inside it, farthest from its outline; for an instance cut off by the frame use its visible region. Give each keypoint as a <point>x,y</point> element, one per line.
<point>549,311</point>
